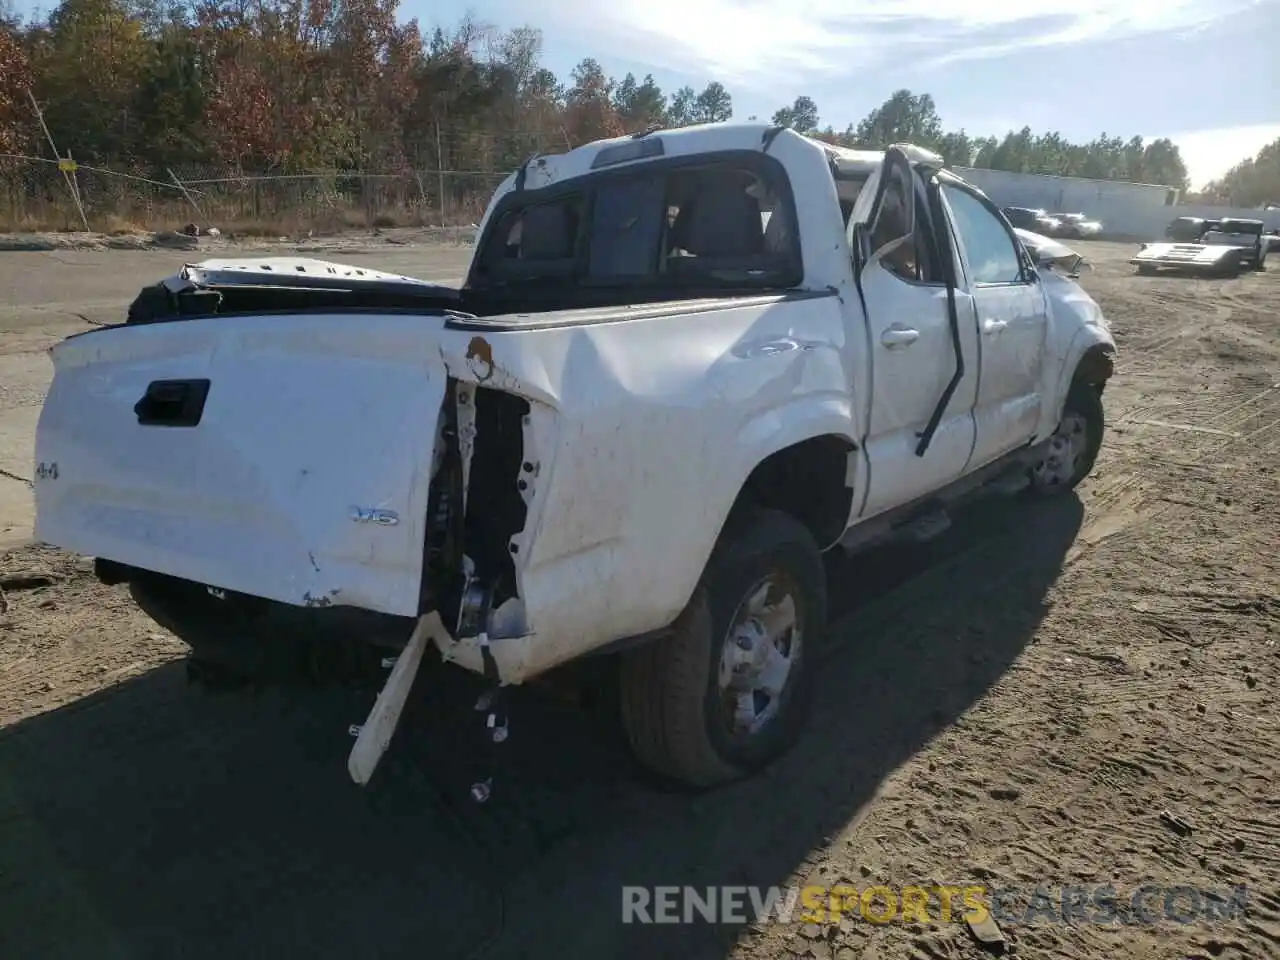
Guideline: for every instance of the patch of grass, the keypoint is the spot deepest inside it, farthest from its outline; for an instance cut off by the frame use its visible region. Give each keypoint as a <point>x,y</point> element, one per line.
<point>233,216</point>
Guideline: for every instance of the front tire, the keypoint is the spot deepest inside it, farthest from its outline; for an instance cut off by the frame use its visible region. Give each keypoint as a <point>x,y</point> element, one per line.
<point>729,690</point>
<point>1073,448</point>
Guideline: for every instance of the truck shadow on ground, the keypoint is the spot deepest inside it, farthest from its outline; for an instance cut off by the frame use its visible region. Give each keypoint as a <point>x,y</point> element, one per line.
<point>157,820</point>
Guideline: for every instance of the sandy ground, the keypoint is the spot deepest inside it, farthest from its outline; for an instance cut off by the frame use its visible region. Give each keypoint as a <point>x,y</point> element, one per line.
<point>1014,704</point>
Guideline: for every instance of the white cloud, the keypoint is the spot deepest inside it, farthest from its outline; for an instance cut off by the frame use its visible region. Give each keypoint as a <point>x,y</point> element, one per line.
<point>761,43</point>
<point>1209,154</point>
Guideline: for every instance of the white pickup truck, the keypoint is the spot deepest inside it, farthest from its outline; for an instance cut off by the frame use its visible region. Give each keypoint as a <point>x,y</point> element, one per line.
<point>682,366</point>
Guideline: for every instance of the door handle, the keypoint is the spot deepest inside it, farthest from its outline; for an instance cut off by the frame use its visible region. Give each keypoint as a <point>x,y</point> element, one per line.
<point>897,336</point>
<point>990,327</point>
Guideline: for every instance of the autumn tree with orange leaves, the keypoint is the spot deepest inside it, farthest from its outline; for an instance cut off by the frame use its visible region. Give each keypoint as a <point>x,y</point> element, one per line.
<point>15,81</point>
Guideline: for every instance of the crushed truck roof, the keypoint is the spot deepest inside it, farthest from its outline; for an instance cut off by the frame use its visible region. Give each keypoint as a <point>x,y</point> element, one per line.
<point>546,169</point>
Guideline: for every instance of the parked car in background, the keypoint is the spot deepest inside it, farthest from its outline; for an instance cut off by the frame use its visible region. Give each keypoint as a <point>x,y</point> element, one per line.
<point>1077,225</point>
<point>1190,259</point>
<point>1221,248</point>
<point>1247,234</point>
<point>1029,218</point>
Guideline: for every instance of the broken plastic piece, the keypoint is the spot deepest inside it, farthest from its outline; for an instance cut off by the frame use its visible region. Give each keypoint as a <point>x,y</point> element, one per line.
<point>354,730</point>
<point>987,932</point>
<point>480,791</point>
<point>375,736</point>
<point>389,662</point>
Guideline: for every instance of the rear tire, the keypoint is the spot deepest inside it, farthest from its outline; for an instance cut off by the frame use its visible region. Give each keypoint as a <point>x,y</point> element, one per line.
<point>1075,443</point>
<point>691,702</point>
<point>1146,271</point>
<point>1232,270</point>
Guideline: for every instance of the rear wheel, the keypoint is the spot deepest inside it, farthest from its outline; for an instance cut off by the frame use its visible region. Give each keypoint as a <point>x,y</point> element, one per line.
<point>1232,268</point>
<point>729,689</point>
<point>1146,270</point>
<point>1073,448</point>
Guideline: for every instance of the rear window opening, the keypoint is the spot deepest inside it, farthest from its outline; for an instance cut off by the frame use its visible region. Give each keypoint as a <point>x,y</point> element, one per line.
<point>660,227</point>
<point>668,229</point>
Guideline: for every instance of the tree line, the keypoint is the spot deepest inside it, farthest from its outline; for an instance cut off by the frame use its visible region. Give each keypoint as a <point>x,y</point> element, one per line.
<point>274,86</point>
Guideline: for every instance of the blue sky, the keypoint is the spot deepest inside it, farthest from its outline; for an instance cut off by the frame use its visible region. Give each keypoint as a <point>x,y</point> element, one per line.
<point>1203,72</point>
<point>1077,66</point>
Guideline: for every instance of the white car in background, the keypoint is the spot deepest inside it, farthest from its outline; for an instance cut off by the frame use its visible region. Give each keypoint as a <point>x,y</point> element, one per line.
<point>1076,225</point>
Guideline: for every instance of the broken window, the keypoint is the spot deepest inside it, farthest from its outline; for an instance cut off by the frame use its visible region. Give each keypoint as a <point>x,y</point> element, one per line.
<point>537,241</point>
<point>627,224</point>
<point>915,261</point>
<point>686,224</point>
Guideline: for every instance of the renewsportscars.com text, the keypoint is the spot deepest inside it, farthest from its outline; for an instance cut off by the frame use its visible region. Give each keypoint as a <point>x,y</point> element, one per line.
<point>1145,904</point>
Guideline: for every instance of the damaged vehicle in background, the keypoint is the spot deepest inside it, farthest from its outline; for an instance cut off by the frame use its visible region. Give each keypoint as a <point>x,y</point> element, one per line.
<point>1223,248</point>
<point>1035,220</point>
<point>1185,229</point>
<point>1247,234</point>
<point>1076,226</point>
<point>632,432</point>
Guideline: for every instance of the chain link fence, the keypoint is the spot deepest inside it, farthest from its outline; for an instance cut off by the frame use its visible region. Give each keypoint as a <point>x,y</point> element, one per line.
<point>41,194</point>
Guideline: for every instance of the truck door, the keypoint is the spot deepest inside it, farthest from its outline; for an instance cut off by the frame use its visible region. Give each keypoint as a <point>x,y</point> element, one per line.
<point>1012,318</point>
<point>920,428</point>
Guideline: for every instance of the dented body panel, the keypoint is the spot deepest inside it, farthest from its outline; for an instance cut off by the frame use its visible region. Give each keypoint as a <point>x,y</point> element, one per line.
<point>627,417</point>
<point>648,432</point>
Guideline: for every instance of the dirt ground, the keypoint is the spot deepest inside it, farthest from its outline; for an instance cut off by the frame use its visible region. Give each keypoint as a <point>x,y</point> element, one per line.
<point>1015,704</point>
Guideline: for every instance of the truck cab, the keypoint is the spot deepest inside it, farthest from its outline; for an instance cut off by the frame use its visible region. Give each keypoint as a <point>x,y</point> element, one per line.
<point>1236,232</point>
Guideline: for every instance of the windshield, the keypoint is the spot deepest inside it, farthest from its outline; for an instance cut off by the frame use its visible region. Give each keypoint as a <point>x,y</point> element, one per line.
<point>1238,226</point>
<point>720,224</point>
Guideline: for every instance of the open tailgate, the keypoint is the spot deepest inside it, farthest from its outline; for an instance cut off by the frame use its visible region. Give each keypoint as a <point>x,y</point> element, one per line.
<point>283,456</point>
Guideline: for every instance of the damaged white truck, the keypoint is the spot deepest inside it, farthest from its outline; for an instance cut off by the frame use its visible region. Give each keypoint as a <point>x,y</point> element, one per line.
<point>682,366</point>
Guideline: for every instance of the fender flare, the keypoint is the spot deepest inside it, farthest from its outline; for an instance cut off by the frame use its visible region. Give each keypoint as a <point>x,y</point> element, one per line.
<point>1096,365</point>
<point>779,429</point>
<point>1091,356</point>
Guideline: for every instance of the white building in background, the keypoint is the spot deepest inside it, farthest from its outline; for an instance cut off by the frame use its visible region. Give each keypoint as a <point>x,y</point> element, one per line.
<point>1137,210</point>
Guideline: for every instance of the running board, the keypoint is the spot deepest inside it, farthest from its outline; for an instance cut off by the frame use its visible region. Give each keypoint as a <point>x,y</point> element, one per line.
<point>925,528</point>
<point>927,517</point>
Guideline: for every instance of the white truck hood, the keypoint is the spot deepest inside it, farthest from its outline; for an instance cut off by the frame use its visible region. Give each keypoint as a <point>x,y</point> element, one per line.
<point>1051,253</point>
<point>1192,254</point>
